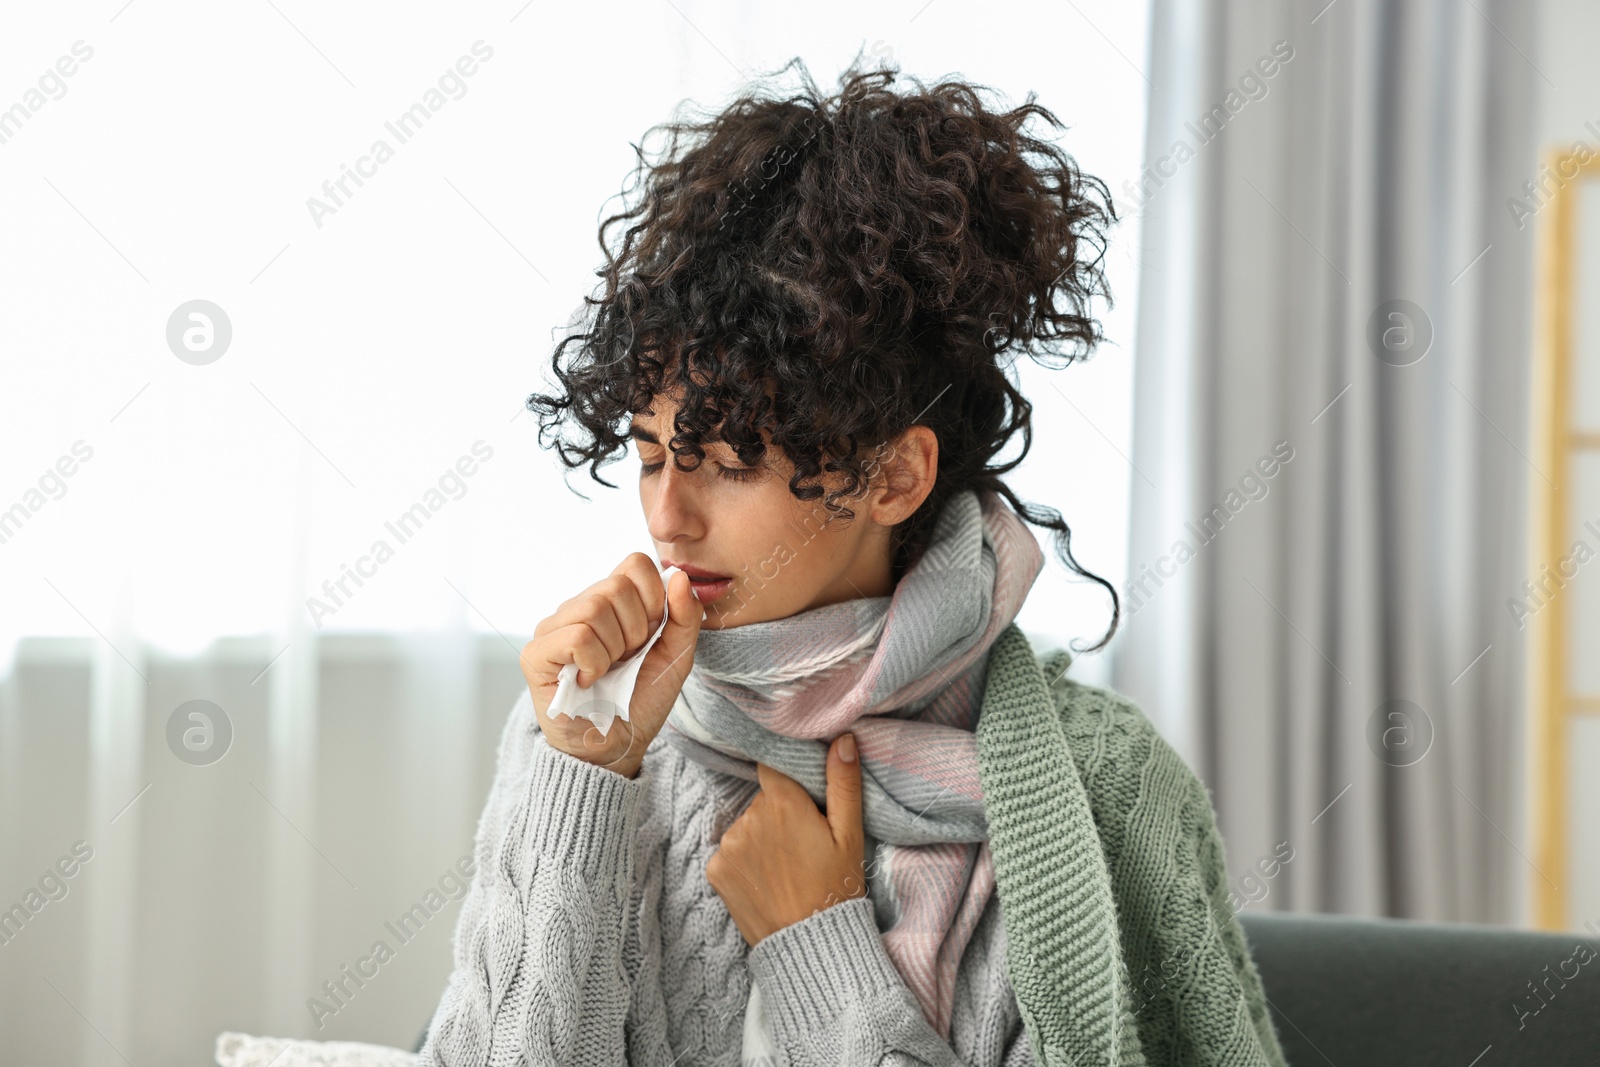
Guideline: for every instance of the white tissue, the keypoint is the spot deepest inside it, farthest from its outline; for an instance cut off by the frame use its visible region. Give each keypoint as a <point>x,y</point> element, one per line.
<point>608,698</point>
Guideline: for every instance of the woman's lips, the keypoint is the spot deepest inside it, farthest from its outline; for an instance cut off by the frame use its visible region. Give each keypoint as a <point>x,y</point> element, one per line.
<point>707,586</point>
<point>710,590</point>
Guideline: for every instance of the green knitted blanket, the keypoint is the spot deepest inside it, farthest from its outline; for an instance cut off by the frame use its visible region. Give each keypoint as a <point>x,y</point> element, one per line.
<point>1121,944</point>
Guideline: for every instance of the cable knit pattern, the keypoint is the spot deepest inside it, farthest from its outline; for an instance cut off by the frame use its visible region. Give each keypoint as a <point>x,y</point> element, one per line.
<point>1126,953</point>
<point>591,936</point>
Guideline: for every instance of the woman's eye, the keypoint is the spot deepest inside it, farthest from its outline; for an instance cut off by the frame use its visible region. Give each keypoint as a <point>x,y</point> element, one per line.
<point>736,474</point>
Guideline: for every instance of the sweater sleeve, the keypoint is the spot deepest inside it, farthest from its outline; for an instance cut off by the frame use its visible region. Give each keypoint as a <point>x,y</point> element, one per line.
<point>538,976</point>
<point>834,997</point>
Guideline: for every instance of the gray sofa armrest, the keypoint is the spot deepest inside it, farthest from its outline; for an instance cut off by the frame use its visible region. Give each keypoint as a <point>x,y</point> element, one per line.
<point>1376,992</point>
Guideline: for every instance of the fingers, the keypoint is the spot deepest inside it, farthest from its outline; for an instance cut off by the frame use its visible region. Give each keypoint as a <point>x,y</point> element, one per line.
<point>606,613</point>
<point>768,777</point>
<point>576,643</point>
<point>617,614</point>
<point>640,572</point>
<point>777,786</point>
<point>686,614</point>
<point>844,792</point>
<point>620,606</point>
<point>670,660</point>
<point>610,621</point>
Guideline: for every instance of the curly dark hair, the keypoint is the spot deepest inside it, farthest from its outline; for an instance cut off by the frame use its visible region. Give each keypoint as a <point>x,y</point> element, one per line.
<point>833,271</point>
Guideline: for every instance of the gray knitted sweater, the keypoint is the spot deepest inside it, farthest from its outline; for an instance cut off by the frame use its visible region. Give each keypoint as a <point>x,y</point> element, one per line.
<point>590,935</point>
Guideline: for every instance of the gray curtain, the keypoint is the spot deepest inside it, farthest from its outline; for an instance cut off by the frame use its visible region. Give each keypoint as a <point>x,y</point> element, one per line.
<point>1332,380</point>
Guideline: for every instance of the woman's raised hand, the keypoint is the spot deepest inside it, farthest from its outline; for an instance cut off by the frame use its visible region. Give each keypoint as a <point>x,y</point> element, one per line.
<point>607,622</point>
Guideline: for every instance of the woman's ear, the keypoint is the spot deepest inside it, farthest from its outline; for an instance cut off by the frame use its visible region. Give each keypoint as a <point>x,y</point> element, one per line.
<point>909,466</point>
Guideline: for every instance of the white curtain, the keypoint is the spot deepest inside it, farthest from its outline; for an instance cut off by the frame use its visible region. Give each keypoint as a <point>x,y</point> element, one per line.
<point>1331,278</point>
<point>223,894</point>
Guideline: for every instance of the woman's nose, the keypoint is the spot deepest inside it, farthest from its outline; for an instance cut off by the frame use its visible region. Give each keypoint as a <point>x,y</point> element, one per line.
<point>674,509</point>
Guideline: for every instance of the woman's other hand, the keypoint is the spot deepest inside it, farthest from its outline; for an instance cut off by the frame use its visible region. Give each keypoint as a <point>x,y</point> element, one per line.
<point>782,859</point>
<point>607,622</point>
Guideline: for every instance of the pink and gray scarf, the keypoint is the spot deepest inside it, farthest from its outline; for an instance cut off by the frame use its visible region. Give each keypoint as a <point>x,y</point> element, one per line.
<point>906,674</point>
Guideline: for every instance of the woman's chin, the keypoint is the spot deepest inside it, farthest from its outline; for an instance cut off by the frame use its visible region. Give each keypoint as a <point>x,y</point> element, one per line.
<point>727,614</point>
<point>722,620</point>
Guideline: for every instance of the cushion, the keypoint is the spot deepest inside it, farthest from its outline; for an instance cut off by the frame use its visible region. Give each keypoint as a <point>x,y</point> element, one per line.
<point>242,1050</point>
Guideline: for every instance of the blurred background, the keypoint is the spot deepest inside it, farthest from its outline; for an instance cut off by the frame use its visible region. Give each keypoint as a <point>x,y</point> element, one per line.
<point>1340,453</point>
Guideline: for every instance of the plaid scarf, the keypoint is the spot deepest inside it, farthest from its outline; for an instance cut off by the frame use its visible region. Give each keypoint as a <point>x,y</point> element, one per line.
<point>906,674</point>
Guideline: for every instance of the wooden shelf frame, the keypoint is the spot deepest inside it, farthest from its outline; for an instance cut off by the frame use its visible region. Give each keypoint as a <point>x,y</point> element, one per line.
<point>1556,440</point>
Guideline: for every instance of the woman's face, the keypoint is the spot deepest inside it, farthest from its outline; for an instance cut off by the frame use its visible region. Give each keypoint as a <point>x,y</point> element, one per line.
<point>778,555</point>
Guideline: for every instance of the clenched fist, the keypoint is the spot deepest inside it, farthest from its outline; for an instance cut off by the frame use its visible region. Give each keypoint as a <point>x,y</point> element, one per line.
<point>607,622</point>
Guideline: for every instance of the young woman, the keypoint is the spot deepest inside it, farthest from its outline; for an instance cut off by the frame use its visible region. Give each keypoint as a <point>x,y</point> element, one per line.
<point>850,818</point>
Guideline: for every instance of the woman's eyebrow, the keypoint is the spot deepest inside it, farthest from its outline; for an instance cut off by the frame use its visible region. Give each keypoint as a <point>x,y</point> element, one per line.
<point>642,434</point>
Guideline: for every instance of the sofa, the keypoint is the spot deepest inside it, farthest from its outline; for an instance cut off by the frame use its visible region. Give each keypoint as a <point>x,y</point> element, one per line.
<point>1375,992</point>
